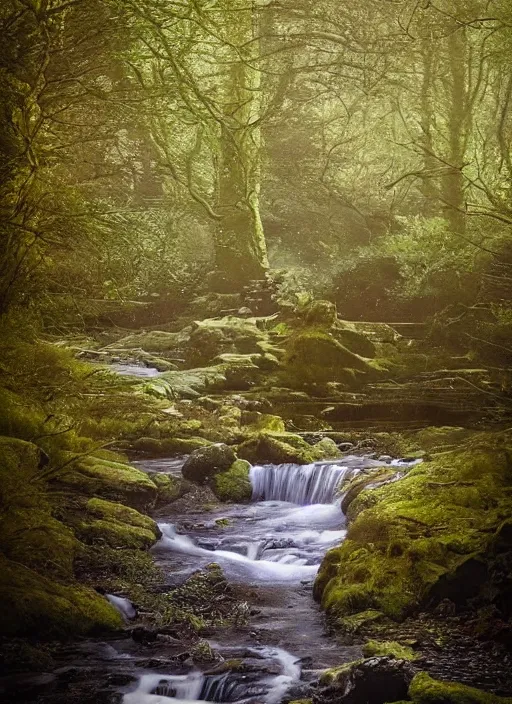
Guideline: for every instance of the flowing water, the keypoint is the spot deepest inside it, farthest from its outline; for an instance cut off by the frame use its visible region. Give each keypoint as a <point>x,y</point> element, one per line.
<point>273,547</point>
<point>270,550</point>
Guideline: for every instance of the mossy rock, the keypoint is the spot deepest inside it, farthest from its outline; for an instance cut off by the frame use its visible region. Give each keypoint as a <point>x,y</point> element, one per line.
<point>169,487</point>
<point>32,537</point>
<point>440,438</point>
<point>157,341</point>
<point>193,383</point>
<point>375,680</point>
<point>168,447</point>
<point>426,690</point>
<point>285,448</point>
<point>261,422</point>
<point>117,526</point>
<point>314,356</point>
<point>388,648</point>
<point>28,532</point>
<point>319,312</point>
<point>233,484</point>
<point>361,482</point>
<point>355,341</point>
<point>207,461</point>
<point>425,538</point>
<point>354,623</point>
<point>35,605</point>
<point>115,481</point>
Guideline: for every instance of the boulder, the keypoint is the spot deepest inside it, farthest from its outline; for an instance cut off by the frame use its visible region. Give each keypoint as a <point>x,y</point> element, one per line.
<point>169,487</point>
<point>233,484</point>
<point>314,356</point>
<point>320,312</point>
<point>114,481</point>
<point>168,447</point>
<point>33,605</point>
<point>207,461</point>
<point>428,537</point>
<point>117,526</point>
<point>374,681</point>
<point>284,448</point>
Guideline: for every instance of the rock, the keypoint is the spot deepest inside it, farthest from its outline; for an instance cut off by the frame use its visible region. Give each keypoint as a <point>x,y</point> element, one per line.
<point>169,487</point>
<point>373,681</point>
<point>207,461</point>
<point>322,313</point>
<point>357,622</point>
<point>158,341</point>
<point>315,356</point>
<point>326,449</point>
<point>212,337</point>
<point>355,341</point>
<point>33,604</point>
<point>425,690</point>
<point>260,422</point>
<point>388,648</point>
<point>193,383</point>
<point>265,448</point>
<point>168,447</point>
<point>114,481</point>
<point>233,484</point>
<point>423,539</point>
<point>360,482</point>
<point>117,526</point>
<point>29,534</point>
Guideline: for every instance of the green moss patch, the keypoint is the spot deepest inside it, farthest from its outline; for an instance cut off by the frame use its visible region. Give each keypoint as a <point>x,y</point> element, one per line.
<point>388,648</point>
<point>233,484</point>
<point>117,526</point>
<point>33,604</point>
<point>110,480</point>
<point>425,690</point>
<point>427,537</point>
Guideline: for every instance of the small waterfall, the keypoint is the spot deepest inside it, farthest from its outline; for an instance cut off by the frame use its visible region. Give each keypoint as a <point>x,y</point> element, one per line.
<point>226,687</point>
<point>124,606</point>
<point>299,484</point>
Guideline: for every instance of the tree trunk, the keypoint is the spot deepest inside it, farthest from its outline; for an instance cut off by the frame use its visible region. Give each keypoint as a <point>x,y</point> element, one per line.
<point>240,245</point>
<point>453,186</point>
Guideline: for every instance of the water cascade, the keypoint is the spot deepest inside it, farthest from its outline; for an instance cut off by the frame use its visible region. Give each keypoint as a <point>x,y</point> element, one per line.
<point>124,606</point>
<point>226,687</point>
<point>303,485</point>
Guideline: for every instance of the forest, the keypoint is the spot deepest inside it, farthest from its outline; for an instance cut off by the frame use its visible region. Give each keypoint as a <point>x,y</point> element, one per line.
<point>256,351</point>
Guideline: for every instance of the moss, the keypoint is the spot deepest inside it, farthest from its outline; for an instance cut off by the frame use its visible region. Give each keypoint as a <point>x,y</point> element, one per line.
<point>333,674</point>
<point>261,422</point>
<point>233,484</point>
<point>425,690</point>
<point>168,447</point>
<point>388,648</point>
<point>193,383</point>
<point>314,356</point>
<point>33,604</point>
<point>283,448</point>
<point>110,480</point>
<point>157,341</point>
<point>118,526</point>
<point>169,487</point>
<point>36,539</point>
<point>354,623</point>
<point>424,538</point>
<point>361,482</point>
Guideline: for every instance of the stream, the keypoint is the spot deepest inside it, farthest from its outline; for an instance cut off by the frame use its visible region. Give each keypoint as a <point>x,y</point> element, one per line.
<point>271,547</point>
<point>269,551</point>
